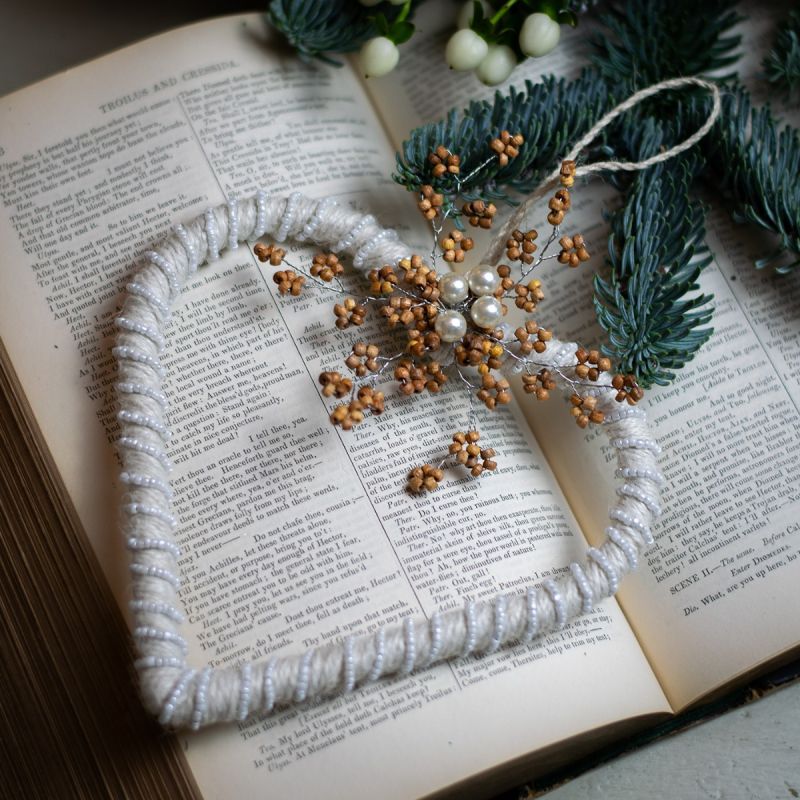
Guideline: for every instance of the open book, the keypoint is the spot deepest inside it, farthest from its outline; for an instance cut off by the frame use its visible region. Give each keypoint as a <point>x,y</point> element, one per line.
<point>294,533</point>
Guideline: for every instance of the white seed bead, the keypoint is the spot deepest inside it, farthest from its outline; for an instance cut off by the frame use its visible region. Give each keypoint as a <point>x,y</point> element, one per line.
<point>629,490</point>
<point>261,215</point>
<point>128,387</point>
<point>166,269</point>
<point>409,637</point>
<point>584,587</point>
<point>634,523</point>
<point>623,413</point>
<point>161,635</point>
<point>470,622</point>
<point>640,472</point>
<point>636,443</point>
<point>132,443</point>
<point>599,557</point>
<point>144,421</point>
<point>125,353</point>
<point>349,239</point>
<point>146,482</point>
<point>288,217</point>
<point>360,258</point>
<point>532,617</point>
<point>551,587</point>
<point>303,675</point>
<point>200,699</point>
<point>269,685</point>
<point>323,207</point>
<point>621,541</point>
<point>150,543</point>
<point>151,511</point>
<point>153,334</point>
<point>348,666</point>
<point>380,652</point>
<point>146,293</point>
<point>159,662</point>
<point>152,571</point>
<point>233,223</point>
<point>188,246</point>
<point>245,687</point>
<point>500,606</point>
<point>436,636</point>
<point>168,708</point>
<point>156,607</point>
<point>212,235</point>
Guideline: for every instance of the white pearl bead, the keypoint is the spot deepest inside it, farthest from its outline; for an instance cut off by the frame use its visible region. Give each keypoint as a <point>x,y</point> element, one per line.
<point>486,311</point>
<point>451,326</point>
<point>453,288</point>
<point>483,280</point>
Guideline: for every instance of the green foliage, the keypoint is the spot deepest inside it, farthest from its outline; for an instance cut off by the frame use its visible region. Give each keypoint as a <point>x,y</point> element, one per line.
<point>782,65</point>
<point>649,304</point>
<point>316,28</point>
<point>757,163</point>
<point>651,40</point>
<point>501,25</point>
<point>550,114</point>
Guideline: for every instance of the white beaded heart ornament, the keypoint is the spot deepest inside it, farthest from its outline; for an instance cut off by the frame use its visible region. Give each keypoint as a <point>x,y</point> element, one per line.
<point>184,696</point>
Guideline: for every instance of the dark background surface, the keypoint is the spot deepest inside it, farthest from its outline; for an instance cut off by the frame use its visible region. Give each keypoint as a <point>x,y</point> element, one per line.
<point>41,37</point>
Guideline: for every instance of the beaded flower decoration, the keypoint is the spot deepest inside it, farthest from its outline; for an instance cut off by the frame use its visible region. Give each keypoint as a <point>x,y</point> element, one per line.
<point>452,324</point>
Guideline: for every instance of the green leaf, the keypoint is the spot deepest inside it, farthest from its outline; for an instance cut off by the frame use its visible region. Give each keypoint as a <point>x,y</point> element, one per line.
<point>401,31</point>
<point>381,24</point>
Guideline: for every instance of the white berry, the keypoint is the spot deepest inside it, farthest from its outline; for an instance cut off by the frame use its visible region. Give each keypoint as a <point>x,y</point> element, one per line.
<point>465,50</point>
<point>465,14</point>
<point>497,66</point>
<point>378,56</point>
<point>539,35</point>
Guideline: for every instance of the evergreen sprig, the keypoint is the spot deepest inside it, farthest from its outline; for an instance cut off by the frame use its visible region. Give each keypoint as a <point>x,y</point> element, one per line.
<point>550,114</point>
<point>649,41</point>
<point>649,305</point>
<point>315,29</point>
<point>782,64</point>
<point>756,162</point>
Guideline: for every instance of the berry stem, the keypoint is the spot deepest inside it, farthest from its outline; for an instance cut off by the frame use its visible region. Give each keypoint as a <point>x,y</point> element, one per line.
<point>501,12</point>
<point>405,11</point>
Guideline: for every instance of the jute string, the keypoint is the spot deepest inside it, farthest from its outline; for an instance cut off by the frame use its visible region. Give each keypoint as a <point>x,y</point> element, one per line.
<point>495,250</point>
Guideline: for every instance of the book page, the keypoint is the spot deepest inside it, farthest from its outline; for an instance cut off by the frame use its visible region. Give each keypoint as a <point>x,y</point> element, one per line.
<point>293,533</point>
<point>707,603</point>
<point>711,601</point>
